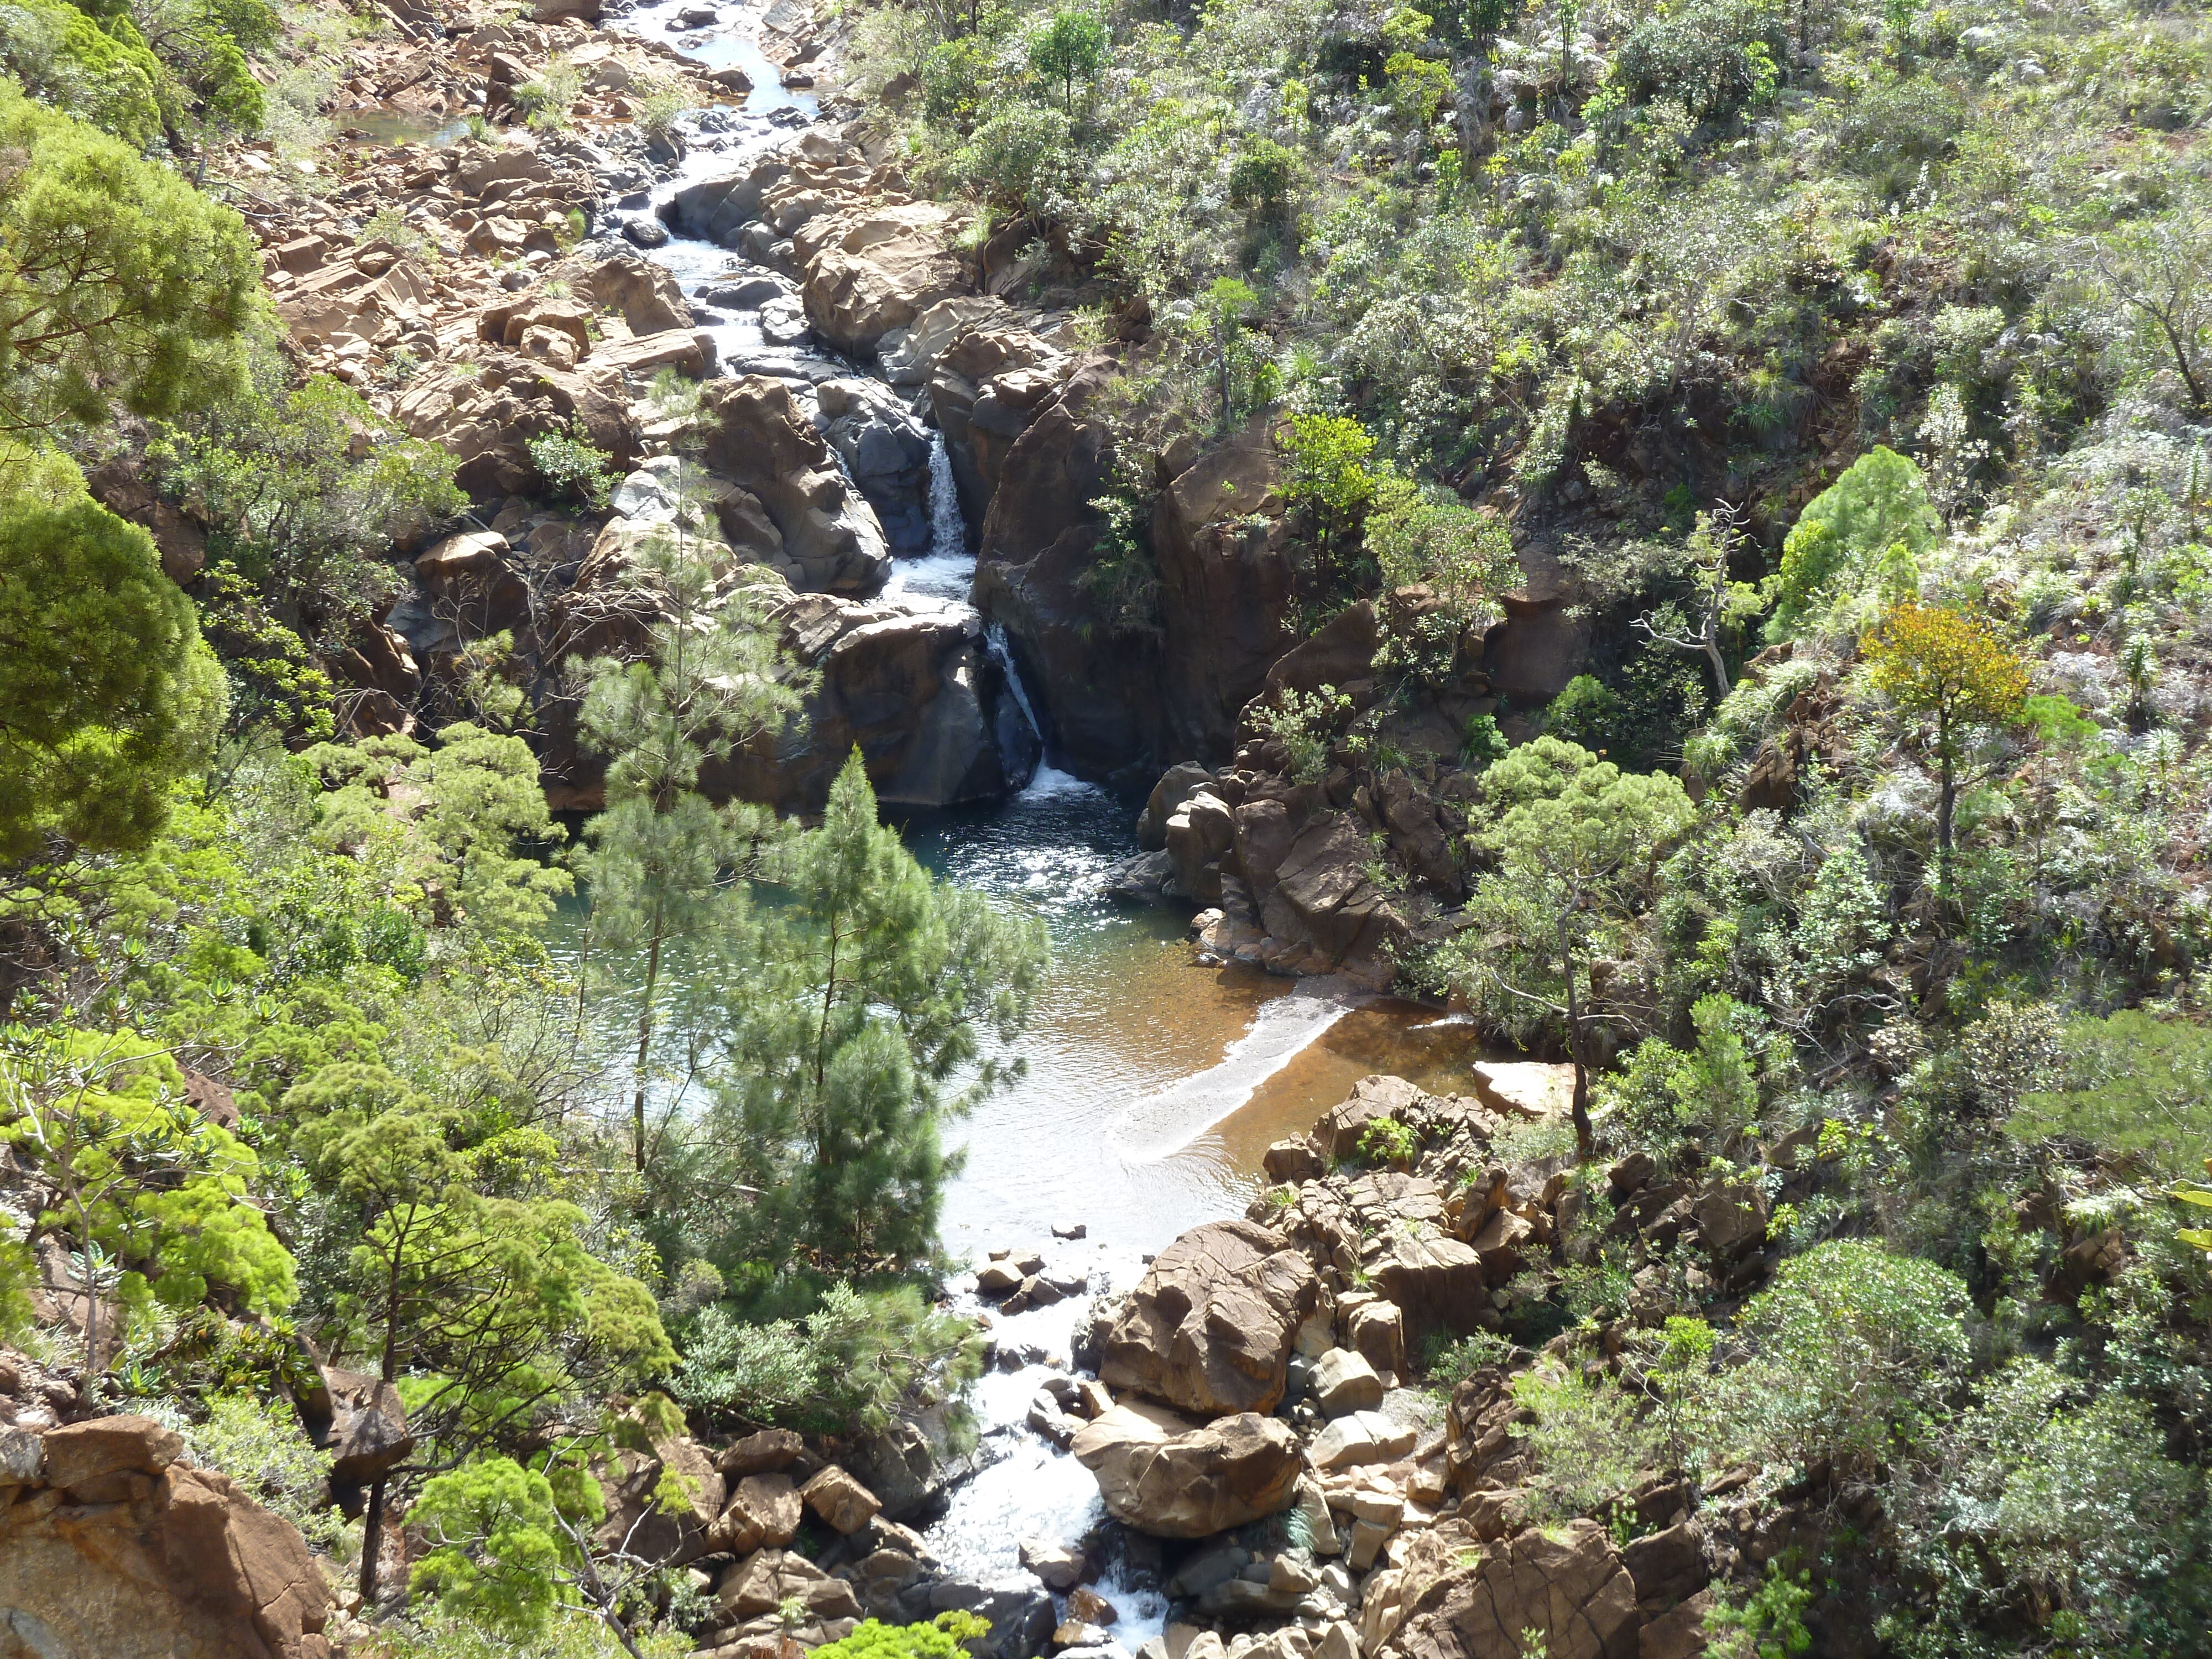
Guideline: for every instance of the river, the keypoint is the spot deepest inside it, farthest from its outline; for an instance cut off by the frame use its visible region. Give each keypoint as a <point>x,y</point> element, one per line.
<point>1153,1086</point>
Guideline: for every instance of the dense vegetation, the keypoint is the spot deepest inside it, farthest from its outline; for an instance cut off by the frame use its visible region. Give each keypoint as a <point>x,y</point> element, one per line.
<point>1848,363</point>
<point>1854,365</point>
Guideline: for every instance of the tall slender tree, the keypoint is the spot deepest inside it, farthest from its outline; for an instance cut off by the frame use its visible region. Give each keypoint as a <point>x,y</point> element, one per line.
<point>664,862</point>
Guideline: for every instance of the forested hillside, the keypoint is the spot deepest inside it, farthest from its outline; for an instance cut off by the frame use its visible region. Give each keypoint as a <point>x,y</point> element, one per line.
<point>1670,531</point>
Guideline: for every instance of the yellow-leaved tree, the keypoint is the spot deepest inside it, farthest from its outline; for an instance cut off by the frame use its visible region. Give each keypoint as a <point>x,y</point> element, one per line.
<point>1952,676</point>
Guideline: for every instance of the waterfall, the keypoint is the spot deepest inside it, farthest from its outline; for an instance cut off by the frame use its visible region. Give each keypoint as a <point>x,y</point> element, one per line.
<point>948,531</point>
<point>995,635</point>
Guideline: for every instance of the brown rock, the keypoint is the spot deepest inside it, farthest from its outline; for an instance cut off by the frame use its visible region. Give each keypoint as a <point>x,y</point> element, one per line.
<point>1221,547</point>
<point>1567,1585</point>
<point>1340,653</point>
<point>1291,1162</point>
<point>1166,1475</point>
<point>1525,1088</point>
<point>1098,689</point>
<point>1667,1566</point>
<point>874,269</point>
<point>368,1431</point>
<point>1540,647</point>
<point>82,1452</point>
<point>1317,898</point>
<point>190,1569</point>
<point>1678,1634</point>
<point>760,441</point>
<point>1211,1326</point>
<point>1338,1135</point>
<point>763,1511</point>
<point>841,1501</point>
<point>763,1453</point>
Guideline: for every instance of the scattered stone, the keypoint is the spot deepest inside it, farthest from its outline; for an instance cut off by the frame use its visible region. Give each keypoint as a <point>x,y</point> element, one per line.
<point>1091,1607</point>
<point>1363,1437</point>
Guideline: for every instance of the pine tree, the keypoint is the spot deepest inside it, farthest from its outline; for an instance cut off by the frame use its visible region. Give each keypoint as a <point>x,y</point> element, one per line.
<point>869,984</point>
<point>664,862</point>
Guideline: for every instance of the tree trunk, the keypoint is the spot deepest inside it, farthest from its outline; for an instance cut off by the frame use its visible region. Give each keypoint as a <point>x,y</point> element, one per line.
<point>645,1043</point>
<point>371,1526</point>
<point>1946,798</point>
<point>1585,1137</point>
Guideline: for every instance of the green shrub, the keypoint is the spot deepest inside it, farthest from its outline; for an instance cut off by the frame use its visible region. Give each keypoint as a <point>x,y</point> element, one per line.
<point>842,1369</point>
<point>2076,1507</point>
<point>1852,1352</point>
<point>1589,1443</point>
<point>572,466</point>
<point>1304,723</point>
<point>1387,1141</point>
<point>1878,510</point>
<point>1261,179</point>
<point>1070,47</point>
<point>1584,712</point>
<point>1767,1624</point>
<point>2134,1084</point>
<point>492,1534</point>
<point>1448,1364</point>
<point>1714,58</point>
<point>940,1638</point>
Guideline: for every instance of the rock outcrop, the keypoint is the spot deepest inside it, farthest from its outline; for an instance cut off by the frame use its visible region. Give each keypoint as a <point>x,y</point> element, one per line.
<point>1568,1586</point>
<point>913,685</point>
<point>110,1545</point>
<point>1225,587</point>
<point>1166,1475</point>
<point>1098,694</point>
<point>872,269</point>
<point>1210,1328</point>
<point>760,441</point>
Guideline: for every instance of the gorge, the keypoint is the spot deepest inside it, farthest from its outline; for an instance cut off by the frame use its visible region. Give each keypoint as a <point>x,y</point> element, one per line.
<point>1034,830</point>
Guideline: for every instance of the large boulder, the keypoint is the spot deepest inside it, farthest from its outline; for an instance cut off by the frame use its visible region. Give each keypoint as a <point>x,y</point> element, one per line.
<point>1308,874</point>
<point>367,1433</point>
<point>1340,654</point>
<point>115,1548</point>
<point>718,210</point>
<point>886,452</point>
<point>1211,1326</point>
<point>1437,1283</point>
<point>1568,1585</point>
<point>873,268</point>
<point>760,441</point>
<point>986,385</point>
<point>1541,645</point>
<point>1166,1475</point>
<point>1218,539</point>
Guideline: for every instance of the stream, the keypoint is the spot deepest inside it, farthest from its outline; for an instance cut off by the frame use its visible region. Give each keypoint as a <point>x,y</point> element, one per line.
<point>1152,1085</point>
